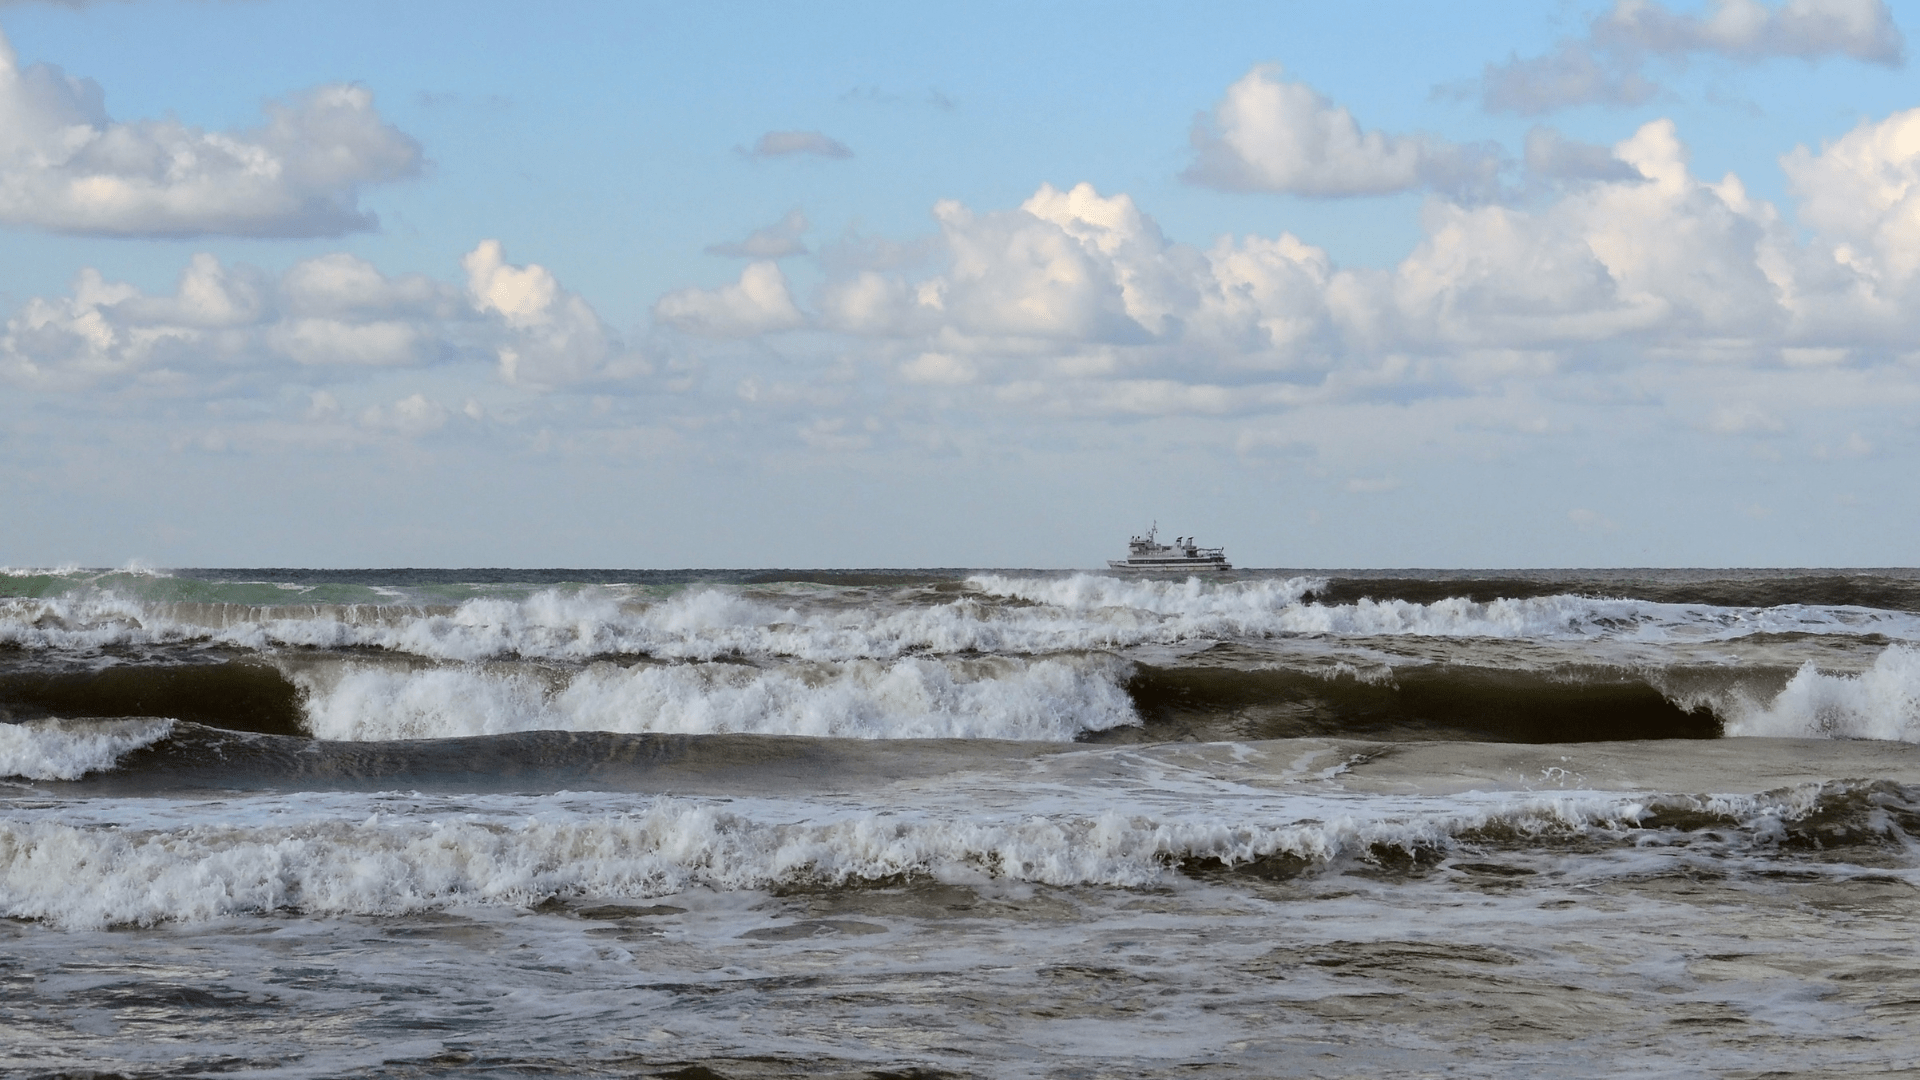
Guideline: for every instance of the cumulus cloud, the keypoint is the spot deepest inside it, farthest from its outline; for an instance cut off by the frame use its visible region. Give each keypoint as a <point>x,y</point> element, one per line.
<point>1606,66</point>
<point>1863,190</point>
<point>758,303</point>
<point>788,143</point>
<point>776,241</point>
<point>1075,288</point>
<point>551,336</point>
<point>1075,301</point>
<point>1267,134</point>
<point>332,314</point>
<point>1662,254</point>
<point>66,166</point>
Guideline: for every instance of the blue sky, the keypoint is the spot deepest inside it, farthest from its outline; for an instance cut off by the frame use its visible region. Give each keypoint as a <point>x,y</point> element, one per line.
<point>1397,284</point>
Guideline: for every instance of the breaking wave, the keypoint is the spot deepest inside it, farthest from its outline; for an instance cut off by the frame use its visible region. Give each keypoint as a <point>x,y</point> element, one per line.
<point>1882,702</point>
<point>310,858</point>
<point>1264,608</point>
<point>992,614</point>
<point>985,698</point>
<point>70,749</point>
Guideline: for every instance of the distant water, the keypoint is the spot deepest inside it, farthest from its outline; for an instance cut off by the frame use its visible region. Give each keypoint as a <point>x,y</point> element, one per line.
<point>893,823</point>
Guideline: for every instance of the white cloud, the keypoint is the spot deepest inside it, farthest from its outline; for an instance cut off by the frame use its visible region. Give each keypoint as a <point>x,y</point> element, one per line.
<point>1271,297</point>
<point>1667,256</point>
<point>1636,289</point>
<point>341,285</point>
<point>776,241</point>
<point>758,303</point>
<point>552,337</point>
<point>65,166</point>
<point>385,343</point>
<point>1267,134</point>
<point>1604,67</point>
<point>1863,189</point>
<point>1076,303</point>
<point>334,313</point>
<point>1045,270</point>
<point>790,143</point>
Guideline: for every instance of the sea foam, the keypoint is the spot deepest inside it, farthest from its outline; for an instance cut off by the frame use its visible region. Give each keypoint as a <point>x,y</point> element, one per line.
<point>140,863</point>
<point>984,698</point>
<point>1045,615</point>
<point>1882,702</point>
<point>70,749</point>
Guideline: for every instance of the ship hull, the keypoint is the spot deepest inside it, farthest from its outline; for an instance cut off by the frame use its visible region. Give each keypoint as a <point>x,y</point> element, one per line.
<point>1168,566</point>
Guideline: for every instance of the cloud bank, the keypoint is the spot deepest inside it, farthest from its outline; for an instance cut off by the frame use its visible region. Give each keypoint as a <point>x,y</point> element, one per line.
<point>327,319</point>
<point>1076,302</point>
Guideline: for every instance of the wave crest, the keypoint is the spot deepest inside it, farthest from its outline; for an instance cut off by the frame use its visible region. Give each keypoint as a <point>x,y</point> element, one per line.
<point>495,852</point>
<point>986,698</point>
<point>70,749</point>
<point>995,614</point>
<point>1882,702</point>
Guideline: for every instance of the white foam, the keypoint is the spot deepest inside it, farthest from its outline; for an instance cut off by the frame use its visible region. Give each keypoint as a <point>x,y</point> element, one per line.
<point>39,571</point>
<point>70,749</point>
<point>106,861</point>
<point>1054,614</point>
<point>1882,702</point>
<point>1191,598</point>
<point>986,698</point>
<point>1195,608</point>
<point>314,855</point>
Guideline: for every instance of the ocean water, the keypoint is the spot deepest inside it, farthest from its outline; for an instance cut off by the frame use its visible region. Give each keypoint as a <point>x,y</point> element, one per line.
<point>425,823</point>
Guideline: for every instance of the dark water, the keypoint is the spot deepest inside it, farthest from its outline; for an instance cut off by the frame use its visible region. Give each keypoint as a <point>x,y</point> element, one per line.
<point>947,823</point>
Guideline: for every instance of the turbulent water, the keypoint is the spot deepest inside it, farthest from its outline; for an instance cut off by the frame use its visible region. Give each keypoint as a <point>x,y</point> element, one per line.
<point>926,824</point>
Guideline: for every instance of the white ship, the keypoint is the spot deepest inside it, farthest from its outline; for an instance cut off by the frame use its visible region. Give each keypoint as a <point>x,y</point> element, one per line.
<point>1149,554</point>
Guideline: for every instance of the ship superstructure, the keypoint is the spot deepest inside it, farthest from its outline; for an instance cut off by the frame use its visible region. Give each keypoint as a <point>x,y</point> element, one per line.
<point>1147,553</point>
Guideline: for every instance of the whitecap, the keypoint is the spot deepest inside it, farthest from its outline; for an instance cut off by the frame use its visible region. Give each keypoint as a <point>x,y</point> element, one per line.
<point>70,749</point>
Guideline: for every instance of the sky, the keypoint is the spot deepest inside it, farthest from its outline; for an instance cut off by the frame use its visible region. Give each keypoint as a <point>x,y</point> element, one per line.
<point>979,284</point>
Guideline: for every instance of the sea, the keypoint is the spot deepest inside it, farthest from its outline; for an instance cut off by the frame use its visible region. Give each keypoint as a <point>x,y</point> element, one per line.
<point>958,823</point>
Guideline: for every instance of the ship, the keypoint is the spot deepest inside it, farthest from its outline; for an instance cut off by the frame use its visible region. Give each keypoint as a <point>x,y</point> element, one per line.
<point>1147,553</point>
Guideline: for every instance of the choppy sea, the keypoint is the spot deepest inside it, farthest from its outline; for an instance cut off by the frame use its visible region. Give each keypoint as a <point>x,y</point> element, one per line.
<point>892,824</point>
